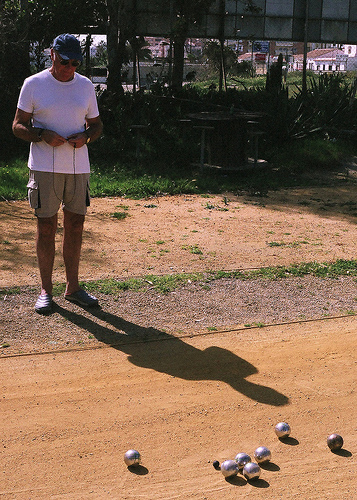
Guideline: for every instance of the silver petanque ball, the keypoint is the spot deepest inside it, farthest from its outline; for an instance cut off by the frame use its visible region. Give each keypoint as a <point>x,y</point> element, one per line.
<point>229,468</point>
<point>132,457</point>
<point>282,430</point>
<point>242,459</point>
<point>335,442</point>
<point>251,471</point>
<point>262,454</point>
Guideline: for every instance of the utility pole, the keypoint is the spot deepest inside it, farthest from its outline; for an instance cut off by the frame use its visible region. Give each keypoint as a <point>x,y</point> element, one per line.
<point>306,27</point>
<point>87,52</point>
<point>222,68</point>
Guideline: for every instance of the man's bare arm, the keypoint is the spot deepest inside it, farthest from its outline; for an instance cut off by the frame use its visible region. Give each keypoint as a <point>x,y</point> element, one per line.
<point>23,129</point>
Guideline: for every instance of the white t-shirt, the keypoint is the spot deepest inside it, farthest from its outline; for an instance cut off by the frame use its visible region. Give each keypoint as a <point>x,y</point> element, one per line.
<point>62,107</point>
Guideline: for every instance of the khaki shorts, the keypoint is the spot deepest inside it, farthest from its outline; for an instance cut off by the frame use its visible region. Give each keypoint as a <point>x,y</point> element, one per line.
<point>47,191</point>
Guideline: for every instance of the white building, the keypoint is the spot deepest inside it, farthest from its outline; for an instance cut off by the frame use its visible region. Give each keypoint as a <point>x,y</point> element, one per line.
<point>322,61</point>
<point>350,50</point>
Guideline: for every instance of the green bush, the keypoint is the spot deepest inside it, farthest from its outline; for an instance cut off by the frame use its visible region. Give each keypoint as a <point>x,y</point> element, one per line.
<point>328,106</point>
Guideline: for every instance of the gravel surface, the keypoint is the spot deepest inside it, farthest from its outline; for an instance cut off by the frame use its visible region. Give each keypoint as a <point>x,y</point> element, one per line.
<point>194,308</point>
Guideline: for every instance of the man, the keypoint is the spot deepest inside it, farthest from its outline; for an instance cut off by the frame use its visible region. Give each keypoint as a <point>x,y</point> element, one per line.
<point>58,114</point>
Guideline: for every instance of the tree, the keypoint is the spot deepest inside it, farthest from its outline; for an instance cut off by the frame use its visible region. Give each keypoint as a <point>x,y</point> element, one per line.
<point>45,19</point>
<point>49,18</point>
<point>274,76</point>
<point>186,13</point>
<point>28,27</point>
<point>117,35</point>
<point>138,51</point>
<point>212,52</point>
<point>14,64</point>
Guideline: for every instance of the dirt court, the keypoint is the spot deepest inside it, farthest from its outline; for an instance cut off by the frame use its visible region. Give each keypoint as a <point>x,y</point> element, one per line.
<point>79,388</point>
<point>192,233</point>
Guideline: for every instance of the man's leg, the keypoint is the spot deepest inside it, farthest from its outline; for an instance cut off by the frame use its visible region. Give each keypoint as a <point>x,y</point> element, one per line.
<point>72,243</point>
<point>45,247</point>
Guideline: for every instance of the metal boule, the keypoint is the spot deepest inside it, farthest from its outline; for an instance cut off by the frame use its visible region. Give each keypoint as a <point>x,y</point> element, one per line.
<point>242,459</point>
<point>262,454</point>
<point>229,468</point>
<point>282,430</point>
<point>335,442</point>
<point>251,471</point>
<point>132,457</point>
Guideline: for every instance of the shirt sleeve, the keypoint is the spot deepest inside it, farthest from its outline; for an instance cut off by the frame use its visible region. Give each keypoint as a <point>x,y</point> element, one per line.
<point>93,110</point>
<point>25,101</point>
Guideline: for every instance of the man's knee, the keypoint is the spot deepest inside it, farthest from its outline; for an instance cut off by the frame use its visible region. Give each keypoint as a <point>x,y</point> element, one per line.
<point>47,226</point>
<point>73,222</point>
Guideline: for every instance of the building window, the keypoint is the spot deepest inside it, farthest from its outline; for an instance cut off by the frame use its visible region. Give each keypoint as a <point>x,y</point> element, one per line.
<point>330,67</point>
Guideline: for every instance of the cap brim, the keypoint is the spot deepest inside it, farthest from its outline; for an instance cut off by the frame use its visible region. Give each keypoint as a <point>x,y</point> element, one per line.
<point>71,55</point>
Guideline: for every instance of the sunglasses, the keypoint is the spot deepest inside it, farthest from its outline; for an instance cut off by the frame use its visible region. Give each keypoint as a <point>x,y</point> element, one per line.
<point>65,62</point>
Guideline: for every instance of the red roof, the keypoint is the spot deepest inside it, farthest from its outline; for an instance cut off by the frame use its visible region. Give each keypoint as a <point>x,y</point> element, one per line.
<point>324,53</point>
<point>247,56</point>
<point>321,54</point>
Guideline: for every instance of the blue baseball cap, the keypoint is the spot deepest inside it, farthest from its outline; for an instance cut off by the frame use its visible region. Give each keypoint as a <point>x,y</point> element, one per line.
<point>68,47</point>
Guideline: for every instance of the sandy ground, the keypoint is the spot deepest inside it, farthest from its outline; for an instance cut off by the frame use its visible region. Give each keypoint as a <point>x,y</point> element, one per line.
<point>182,394</point>
<point>68,418</point>
<point>159,235</point>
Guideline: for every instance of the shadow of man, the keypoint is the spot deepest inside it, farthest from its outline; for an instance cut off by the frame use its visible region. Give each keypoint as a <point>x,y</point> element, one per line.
<point>159,351</point>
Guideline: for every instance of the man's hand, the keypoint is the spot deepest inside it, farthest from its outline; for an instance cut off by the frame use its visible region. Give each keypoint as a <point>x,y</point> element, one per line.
<point>94,127</point>
<point>77,140</point>
<point>52,138</point>
<point>23,129</point>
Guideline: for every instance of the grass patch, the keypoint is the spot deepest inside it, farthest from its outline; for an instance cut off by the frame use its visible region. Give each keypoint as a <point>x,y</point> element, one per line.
<point>13,180</point>
<point>15,290</point>
<point>134,184</point>
<point>293,244</point>
<point>170,282</point>
<point>321,270</point>
<point>312,154</point>
<point>254,325</point>
<point>195,250</point>
<point>162,284</point>
<point>120,215</point>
